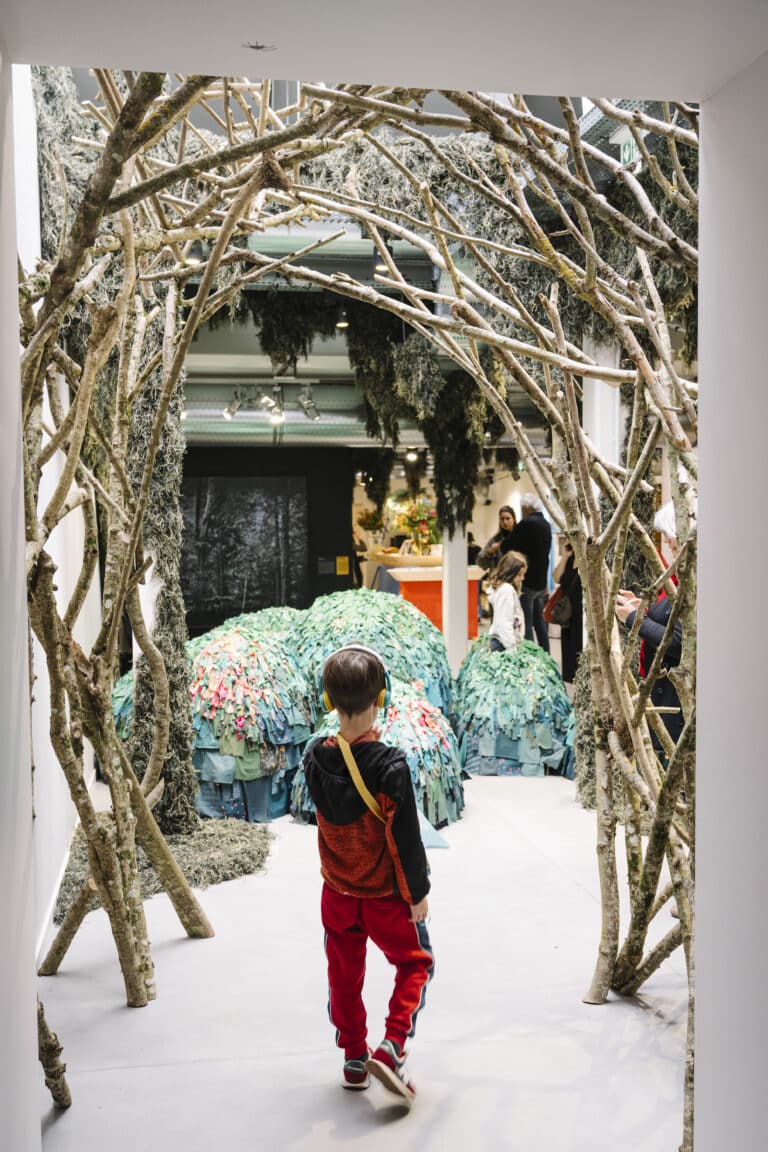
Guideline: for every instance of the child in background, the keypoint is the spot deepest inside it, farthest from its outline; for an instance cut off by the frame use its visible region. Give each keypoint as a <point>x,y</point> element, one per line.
<point>508,627</point>
<point>374,869</point>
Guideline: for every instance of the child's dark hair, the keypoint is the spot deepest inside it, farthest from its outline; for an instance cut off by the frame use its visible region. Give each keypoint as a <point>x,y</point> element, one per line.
<point>353,679</point>
<point>508,567</point>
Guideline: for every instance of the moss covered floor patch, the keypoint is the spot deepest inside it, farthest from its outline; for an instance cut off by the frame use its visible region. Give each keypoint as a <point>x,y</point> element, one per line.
<point>219,850</point>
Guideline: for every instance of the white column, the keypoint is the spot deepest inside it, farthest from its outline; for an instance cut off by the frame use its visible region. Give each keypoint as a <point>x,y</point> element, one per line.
<point>455,598</point>
<point>732,788</point>
<point>601,410</point>
<point>19,1076</point>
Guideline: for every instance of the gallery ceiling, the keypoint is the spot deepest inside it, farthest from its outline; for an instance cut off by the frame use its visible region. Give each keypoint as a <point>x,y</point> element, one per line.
<point>687,49</point>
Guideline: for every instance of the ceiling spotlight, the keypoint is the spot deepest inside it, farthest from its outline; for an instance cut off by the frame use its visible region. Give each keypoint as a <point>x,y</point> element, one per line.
<point>277,409</point>
<point>380,265</point>
<point>194,255</point>
<point>231,408</point>
<point>342,321</point>
<point>266,401</point>
<point>411,455</point>
<point>307,402</point>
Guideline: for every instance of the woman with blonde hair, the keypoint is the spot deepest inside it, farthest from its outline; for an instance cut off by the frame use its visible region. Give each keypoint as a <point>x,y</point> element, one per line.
<point>508,627</point>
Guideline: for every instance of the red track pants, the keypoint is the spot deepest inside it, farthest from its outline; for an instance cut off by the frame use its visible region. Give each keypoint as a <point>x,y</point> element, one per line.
<point>348,922</point>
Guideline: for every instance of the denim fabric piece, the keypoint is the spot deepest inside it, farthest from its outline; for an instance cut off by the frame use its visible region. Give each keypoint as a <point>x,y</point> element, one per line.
<point>266,799</point>
<point>208,801</point>
<point>213,767</point>
<point>544,736</point>
<point>507,749</point>
<point>486,745</point>
<point>205,737</point>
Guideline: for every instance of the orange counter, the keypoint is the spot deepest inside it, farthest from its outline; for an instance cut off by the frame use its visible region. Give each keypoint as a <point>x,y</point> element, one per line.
<point>424,588</point>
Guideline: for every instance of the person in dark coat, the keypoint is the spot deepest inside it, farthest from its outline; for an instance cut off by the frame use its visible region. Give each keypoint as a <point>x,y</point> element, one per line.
<point>533,537</point>
<point>571,634</point>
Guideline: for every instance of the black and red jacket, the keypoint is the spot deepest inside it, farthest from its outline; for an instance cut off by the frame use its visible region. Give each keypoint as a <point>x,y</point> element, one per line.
<point>360,855</point>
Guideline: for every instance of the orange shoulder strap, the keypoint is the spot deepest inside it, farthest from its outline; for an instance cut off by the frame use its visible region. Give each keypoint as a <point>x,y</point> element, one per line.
<point>357,779</point>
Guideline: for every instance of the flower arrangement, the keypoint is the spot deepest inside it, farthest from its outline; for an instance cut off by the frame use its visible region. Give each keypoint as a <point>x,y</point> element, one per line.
<point>419,519</point>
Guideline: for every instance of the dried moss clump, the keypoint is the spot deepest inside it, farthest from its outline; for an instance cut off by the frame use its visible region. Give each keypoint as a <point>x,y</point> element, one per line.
<point>220,850</point>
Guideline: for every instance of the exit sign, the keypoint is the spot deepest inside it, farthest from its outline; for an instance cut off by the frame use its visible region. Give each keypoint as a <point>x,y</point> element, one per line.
<point>629,153</point>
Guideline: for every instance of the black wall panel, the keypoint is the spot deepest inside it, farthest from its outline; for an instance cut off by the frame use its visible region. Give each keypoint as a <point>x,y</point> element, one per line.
<point>264,526</point>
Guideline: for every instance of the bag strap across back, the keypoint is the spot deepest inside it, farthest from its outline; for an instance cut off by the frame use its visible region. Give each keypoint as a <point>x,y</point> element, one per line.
<point>357,779</point>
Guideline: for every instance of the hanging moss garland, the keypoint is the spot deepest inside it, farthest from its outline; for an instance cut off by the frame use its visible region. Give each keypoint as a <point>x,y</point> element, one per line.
<point>376,465</point>
<point>454,434</point>
<point>372,338</point>
<point>289,322</point>
<point>419,380</point>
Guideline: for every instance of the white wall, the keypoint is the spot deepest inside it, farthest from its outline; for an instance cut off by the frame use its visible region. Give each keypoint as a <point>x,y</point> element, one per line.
<point>19,1076</point>
<point>54,811</point>
<point>732,800</point>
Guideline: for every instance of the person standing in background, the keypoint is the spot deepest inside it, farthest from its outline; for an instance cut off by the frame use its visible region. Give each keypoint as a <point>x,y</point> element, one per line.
<point>571,634</point>
<point>652,629</point>
<point>533,537</point>
<point>489,556</point>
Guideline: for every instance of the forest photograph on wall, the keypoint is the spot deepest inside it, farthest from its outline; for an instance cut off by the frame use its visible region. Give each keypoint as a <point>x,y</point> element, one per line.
<point>244,545</point>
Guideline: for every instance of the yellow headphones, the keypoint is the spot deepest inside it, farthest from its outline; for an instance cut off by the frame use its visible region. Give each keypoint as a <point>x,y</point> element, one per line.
<point>384,697</point>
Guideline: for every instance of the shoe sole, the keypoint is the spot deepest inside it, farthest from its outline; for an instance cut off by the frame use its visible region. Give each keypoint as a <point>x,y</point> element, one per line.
<point>390,1080</point>
<point>356,1087</point>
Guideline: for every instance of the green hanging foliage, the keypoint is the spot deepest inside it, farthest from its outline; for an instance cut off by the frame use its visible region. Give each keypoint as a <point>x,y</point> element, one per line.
<point>419,379</point>
<point>454,435</point>
<point>372,337</point>
<point>377,475</point>
<point>289,322</point>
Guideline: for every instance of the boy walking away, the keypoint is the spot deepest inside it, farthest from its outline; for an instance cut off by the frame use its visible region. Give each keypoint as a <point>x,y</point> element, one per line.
<point>374,869</point>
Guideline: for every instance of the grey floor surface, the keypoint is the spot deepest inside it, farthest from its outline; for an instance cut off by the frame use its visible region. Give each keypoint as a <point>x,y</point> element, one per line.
<point>237,1053</point>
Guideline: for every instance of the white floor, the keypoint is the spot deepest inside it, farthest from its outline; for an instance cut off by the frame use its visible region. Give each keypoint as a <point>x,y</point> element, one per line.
<point>237,1052</point>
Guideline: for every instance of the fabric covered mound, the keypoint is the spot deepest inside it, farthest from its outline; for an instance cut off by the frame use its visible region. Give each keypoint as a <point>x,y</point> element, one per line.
<point>411,646</point>
<point>219,851</point>
<point>252,713</point>
<point>122,704</point>
<point>279,621</point>
<point>512,714</point>
<point>427,740</point>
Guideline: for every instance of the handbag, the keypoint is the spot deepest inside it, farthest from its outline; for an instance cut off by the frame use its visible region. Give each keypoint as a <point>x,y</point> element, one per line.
<point>558,608</point>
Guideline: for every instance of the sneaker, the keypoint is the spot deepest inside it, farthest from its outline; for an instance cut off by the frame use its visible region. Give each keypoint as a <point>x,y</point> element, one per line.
<point>387,1065</point>
<point>355,1074</point>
